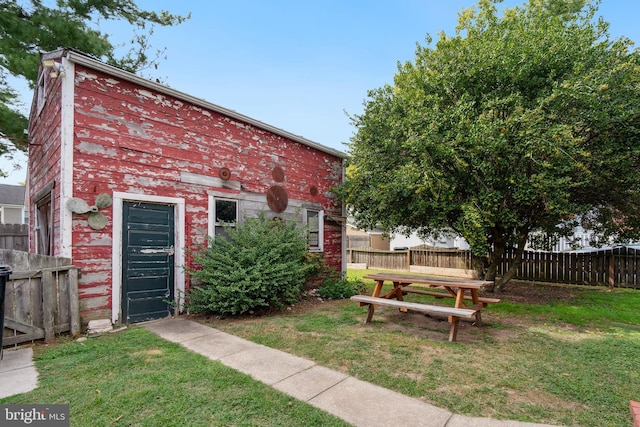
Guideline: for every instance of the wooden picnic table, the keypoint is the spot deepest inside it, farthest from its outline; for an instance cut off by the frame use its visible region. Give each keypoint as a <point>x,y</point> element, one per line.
<point>462,290</point>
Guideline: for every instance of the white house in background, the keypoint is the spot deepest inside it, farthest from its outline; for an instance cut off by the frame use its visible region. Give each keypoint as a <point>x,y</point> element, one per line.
<point>398,241</point>
<point>374,239</point>
<point>12,204</point>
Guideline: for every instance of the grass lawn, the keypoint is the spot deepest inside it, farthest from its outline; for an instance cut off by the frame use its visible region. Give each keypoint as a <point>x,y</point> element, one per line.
<point>134,378</point>
<point>567,356</point>
<point>550,354</point>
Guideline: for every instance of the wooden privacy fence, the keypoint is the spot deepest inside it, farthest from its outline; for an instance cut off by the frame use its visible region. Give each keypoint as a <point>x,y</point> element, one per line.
<point>41,298</point>
<point>618,267</point>
<point>14,236</point>
<point>404,259</point>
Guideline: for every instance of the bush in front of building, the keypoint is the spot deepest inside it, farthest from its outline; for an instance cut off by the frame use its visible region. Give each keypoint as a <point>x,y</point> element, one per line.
<point>339,287</point>
<point>261,263</point>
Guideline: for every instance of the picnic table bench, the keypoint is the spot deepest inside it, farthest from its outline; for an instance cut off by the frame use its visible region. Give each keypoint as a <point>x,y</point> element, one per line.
<point>461,290</point>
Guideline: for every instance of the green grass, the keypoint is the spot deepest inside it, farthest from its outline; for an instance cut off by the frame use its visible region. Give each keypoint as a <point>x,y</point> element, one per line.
<point>134,378</point>
<point>569,363</point>
<point>572,362</point>
<point>591,306</point>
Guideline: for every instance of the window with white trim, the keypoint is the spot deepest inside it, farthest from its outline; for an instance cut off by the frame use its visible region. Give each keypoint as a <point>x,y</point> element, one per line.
<point>225,213</point>
<point>314,221</point>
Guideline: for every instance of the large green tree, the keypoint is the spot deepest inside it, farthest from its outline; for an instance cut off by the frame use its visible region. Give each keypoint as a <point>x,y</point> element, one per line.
<point>524,122</point>
<point>28,27</point>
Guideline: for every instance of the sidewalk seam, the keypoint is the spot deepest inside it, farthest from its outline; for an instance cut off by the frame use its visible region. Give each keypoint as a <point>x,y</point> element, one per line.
<point>329,388</point>
<point>17,368</point>
<point>451,415</point>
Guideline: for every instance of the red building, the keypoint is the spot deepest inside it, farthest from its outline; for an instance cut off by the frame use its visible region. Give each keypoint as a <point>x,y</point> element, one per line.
<point>125,174</point>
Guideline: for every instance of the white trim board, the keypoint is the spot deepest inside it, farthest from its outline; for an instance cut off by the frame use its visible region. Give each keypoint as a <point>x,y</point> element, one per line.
<point>67,112</point>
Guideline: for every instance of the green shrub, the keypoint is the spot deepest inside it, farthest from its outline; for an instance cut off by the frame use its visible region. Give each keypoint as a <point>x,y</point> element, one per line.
<point>336,287</point>
<point>263,263</point>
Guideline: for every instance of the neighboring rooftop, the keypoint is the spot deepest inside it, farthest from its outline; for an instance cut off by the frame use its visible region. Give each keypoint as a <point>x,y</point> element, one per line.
<point>12,194</point>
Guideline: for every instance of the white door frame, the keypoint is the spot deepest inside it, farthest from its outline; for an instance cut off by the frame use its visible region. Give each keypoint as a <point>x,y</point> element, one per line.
<point>116,254</point>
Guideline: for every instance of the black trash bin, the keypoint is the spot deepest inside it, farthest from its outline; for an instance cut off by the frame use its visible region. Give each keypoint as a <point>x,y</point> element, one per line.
<point>5,272</point>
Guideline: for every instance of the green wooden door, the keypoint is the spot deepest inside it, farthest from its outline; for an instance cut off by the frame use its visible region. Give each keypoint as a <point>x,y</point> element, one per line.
<point>147,261</point>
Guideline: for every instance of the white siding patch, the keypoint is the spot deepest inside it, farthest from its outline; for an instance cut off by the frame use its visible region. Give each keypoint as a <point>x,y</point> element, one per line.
<point>85,75</point>
<point>91,148</point>
<point>160,99</point>
<point>210,181</point>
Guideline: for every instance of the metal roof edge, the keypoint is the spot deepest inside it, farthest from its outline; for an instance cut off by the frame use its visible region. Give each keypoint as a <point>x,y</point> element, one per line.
<point>83,59</point>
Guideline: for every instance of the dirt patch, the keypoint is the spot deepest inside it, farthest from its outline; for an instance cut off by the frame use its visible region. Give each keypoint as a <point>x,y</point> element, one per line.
<point>536,293</point>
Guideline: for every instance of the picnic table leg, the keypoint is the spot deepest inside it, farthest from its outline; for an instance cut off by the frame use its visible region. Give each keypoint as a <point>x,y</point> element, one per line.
<point>460,298</point>
<point>376,293</point>
<point>397,290</point>
<point>476,302</point>
<point>397,287</point>
<point>453,332</point>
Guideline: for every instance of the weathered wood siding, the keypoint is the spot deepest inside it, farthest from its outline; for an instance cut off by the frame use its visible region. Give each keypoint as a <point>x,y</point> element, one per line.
<point>44,154</point>
<point>130,139</point>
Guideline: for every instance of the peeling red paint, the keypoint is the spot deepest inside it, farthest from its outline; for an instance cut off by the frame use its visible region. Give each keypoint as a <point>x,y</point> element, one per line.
<point>133,140</point>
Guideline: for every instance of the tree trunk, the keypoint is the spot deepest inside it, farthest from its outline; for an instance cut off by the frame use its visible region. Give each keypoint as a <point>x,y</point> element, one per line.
<point>515,265</point>
<point>510,274</point>
<point>495,258</point>
<point>480,266</point>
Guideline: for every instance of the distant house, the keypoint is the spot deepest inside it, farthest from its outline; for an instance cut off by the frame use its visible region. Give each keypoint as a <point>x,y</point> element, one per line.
<point>126,175</point>
<point>12,204</point>
<point>444,242</point>
<point>369,239</point>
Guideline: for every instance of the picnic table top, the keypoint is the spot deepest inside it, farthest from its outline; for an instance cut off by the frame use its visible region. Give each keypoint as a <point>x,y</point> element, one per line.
<point>432,281</point>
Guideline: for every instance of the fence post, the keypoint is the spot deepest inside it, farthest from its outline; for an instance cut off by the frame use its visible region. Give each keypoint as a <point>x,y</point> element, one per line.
<point>48,300</point>
<point>611,272</point>
<point>74,305</point>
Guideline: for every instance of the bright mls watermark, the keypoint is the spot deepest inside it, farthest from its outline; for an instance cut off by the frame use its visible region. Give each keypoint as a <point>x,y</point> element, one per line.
<point>34,415</point>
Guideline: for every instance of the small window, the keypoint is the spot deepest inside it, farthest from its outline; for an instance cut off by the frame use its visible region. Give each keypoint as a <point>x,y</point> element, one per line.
<point>225,215</point>
<point>315,224</point>
<point>40,92</point>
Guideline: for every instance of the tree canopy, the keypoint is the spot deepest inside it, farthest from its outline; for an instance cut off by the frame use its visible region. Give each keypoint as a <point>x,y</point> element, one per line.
<point>28,27</point>
<point>525,121</point>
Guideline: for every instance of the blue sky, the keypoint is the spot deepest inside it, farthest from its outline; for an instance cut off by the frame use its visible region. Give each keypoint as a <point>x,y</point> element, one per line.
<point>302,65</point>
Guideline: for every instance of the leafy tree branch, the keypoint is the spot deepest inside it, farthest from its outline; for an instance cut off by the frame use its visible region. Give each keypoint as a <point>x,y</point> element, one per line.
<point>28,27</point>
<point>525,121</point>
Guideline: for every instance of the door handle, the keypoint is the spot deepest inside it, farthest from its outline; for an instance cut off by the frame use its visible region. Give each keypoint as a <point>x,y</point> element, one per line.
<point>170,251</point>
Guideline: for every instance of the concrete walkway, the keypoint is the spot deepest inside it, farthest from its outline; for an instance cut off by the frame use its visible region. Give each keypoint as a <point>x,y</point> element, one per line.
<point>18,374</point>
<point>357,402</point>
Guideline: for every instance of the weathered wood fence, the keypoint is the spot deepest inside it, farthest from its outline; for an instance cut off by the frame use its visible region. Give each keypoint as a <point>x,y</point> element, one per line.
<point>14,236</point>
<point>619,267</point>
<point>41,298</point>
